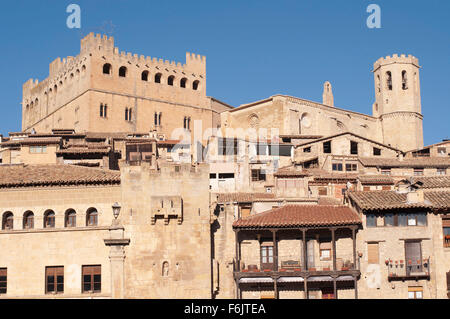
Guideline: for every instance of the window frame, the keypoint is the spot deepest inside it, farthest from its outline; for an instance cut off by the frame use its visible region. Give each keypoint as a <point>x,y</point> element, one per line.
<point>3,274</point>
<point>91,271</point>
<point>56,272</point>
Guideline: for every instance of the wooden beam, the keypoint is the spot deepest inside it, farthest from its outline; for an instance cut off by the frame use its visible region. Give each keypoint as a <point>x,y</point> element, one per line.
<point>356,286</point>
<point>305,253</point>
<point>238,253</point>
<point>275,251</point>
<point>333,240</point>
<point>354,247</point>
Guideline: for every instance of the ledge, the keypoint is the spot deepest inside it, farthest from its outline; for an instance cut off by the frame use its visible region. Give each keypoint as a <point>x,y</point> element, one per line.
<point>52,230</point>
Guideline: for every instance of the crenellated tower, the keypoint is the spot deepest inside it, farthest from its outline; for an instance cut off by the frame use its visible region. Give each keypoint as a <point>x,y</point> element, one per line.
<point>397,101</point>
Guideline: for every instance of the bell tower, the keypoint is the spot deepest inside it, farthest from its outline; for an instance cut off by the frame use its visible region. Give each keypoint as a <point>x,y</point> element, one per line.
<point>397,101</point>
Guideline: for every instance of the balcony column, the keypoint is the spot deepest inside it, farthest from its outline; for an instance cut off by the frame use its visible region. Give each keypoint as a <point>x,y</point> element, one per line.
<point>238,251</point>
<point>356,286</point>
<point>305,253</point>
<point>275,288</point>
<point>275,250</point>
<point>333,240</point>
<point>335,288</point>
<point>354,247</point>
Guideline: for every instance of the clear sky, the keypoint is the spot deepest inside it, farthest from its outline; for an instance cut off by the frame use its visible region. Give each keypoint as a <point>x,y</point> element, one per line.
<point>254,49</point>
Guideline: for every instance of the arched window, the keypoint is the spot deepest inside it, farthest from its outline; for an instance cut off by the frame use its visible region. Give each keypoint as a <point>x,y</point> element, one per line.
<point>103,110</point>
<point>158,77</point>
<point>404,80</point>
<point>389,80</point>
<point>195,85</point>
<point>170,80</point>
<point>49,219</point>
<point>144,76</point>
<point>91,217</point>
<point>8,221</point>
<point>183,82</point>
<point>107,68</point>
<point>28,220</point>
<point>123,71</point>
<point>70,219</point>
<point>126,114</point>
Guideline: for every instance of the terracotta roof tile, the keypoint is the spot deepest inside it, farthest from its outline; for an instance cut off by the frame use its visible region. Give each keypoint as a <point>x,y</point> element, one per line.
<point>54,175</point>
<point>290,171</point>
<point>242,197</point>
<point>33,141</point>
<point>301,216</point>
<point>433,181</point>
<point>417,162</point>
<point>376,179</point>
<point>76,150</point>
<point>386,200</point>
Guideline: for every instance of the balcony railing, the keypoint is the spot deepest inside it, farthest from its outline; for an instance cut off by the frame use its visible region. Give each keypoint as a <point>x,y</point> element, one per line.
<point>408,269</point>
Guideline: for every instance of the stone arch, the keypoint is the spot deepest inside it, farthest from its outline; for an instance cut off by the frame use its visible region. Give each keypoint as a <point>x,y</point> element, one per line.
<point>107,68</point>
<point>165,269</point>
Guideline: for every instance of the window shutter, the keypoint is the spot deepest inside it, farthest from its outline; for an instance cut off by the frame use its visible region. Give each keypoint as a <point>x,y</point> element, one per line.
<point>245,211</point>
<point>373,253</point>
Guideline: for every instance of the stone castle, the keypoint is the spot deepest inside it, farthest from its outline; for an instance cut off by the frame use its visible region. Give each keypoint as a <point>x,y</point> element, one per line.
<point>100,199</point>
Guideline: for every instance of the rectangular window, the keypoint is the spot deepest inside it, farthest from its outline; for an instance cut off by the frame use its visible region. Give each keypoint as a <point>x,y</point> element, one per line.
<point>376,151</point>
<point>92,279</point>
<point>442,151</point>
<point>307,150</point>
<point>226,175</point>
<point>385,171</point>
<point>258,175</point>
<point>446,232</point>
<point>417,219</point>
<point>266,256</point>
<point>3,280</point>
<point>327,147</point>
<point>54,280</point>
<point>373,253</point>
<point>415,293</point>
<point>418,171</point>
<point>366,188</point>
<point>337,167</point>
<point>402,220</point>
<point>323,191</point>
<point>228,146</point>
<point>353,148</point>
<point>389,220</point>
<point>213,176</point>
<point>261,149</point>
<point>325,250</point>
<point>351,167</point>
<point>371,220</point>
<point>245,211</point>
<point>38,149</point>
<point>441,171</point>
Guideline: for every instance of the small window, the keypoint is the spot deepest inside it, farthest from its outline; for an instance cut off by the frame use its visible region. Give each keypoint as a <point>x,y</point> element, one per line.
<point>307,150</point>
<point>144,76</point>
<point>441,171</point>
<point>28,220</point>
<point>327,147</point>
<point>226,175</point>
<point>415,293</point>
<point>404,80</point>
<point>385,171</point>
<point>446,232</point>
<point>183,82</point>
<point>353,148</point>
<point>3,280</point>
<point>402,220</point>
<point>212,176</point>
<point>92,217</point>
<point>376,151</point>
<point>389,220</point>
<point>170,80</point>
<point>122,72</point>
<point>91,279</point>
<point>337,167</point>
<point>195,85</point>
<point>389,80</point>
<point>158,77</point>
<point>71,218</point>
<point>49,219</point>
<point>442,151</point>
<point>103,110</point>
<point>323,191</point>
<point>418,172</point>
<point>8,221</point>
<point>107,68</point>
<point>371,220</point>
<point>325,250</point>
<point>258,175</point>
<point>54,280</point>
<point>351,167</point>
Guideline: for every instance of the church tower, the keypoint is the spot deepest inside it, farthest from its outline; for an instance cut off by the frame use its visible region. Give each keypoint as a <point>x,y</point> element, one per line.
<point>397,101</point>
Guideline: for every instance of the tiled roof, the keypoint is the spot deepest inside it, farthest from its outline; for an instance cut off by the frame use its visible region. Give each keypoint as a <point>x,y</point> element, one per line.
<point>33,141</point>
<point>54,175</point>
<point>385,200</point>
<point>300,216</point>
<point>242,197</point>
<point>290,171</point>
<point>321,174</point>
<point>433,181</point>
<point>417,162</point>
<point>75,150</point>
<point>376,179</point>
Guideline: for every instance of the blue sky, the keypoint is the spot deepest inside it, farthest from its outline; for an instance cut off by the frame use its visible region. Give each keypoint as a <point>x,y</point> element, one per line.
<point>254,49</point>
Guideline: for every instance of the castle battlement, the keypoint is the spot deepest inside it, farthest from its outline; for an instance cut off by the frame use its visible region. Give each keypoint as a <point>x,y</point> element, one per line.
<point>103,45</point>
<point>395,58</point>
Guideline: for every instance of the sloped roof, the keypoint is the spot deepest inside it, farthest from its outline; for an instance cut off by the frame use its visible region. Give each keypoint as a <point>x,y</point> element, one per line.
<point>415,162</point>
<point>242,197</point>
<point>376,179</point>
<point>54,175</point>
<point>301,216</point>
<point>386,200</point>
<point>433,181</point>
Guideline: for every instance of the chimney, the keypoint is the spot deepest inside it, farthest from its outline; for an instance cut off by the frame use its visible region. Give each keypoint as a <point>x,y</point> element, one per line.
<point>415,196</point>
<point>327,94</point>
